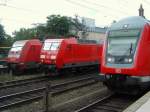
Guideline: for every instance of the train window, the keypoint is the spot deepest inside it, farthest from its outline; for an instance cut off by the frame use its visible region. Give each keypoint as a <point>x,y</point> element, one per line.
<point>18,45</point>
<point>55,46</point>
<point>17,48</point>
<point>51,45</point>
<point>47,46</point>
<point>122,42</point>
<point>121,46</point>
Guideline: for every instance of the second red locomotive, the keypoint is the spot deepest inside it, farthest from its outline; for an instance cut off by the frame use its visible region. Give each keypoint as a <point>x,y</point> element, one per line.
<point>61,54</point>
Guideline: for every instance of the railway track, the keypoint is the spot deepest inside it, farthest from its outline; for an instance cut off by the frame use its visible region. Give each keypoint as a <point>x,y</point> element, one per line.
<point>19,98</point>
<point>14,83</point>
<point>12,87</point>
<point>110,103</point>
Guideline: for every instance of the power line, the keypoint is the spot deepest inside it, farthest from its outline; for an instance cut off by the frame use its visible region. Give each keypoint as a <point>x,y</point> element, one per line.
<point>5,4</point>
<point>14,7</point>
<point>106,7</point>
<point>81,5</point>
<point>15,20</point>
<point>146,2</point>
<point>87,7</point>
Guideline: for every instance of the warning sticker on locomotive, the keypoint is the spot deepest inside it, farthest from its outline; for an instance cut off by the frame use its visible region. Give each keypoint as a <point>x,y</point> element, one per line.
<point>118,70</point>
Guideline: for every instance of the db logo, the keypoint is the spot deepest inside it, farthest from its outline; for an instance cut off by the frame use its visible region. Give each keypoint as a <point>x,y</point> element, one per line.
<point>118,70</point>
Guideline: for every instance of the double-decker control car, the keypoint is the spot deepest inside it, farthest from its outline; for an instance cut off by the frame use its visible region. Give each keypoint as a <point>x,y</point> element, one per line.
<point>126,55</point>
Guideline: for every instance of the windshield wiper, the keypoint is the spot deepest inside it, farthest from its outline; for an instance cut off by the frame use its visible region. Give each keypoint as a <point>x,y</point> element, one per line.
<point>131,48</point>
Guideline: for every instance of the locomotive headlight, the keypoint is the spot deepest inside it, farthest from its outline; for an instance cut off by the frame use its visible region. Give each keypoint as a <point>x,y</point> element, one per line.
<point>53,57</point>
<point>42,56</point>
<point>110,59</point>
<point>128,60</point>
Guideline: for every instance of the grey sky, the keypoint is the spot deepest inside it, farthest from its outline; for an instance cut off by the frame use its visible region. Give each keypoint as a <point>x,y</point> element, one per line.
<point>22,13</point>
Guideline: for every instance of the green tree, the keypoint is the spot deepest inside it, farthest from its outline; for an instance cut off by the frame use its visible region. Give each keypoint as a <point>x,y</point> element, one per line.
<point>41,31</point>
<point>8,40</point>
<point>79,26</point>
<point>2,34</point>
<point>58,25</point>
<point>24,34</point>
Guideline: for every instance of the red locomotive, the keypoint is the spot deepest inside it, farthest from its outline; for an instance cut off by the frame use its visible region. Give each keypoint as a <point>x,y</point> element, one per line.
<point>126,55</point>
<point>62,54</point>
<point>24,54</point>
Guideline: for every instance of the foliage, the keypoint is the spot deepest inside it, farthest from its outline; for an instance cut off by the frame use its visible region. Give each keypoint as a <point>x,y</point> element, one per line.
<point>24,34</point>
<point>79,26</point>
<point>58,25</point>
<point>41,31</point>
<point>8,40</point>
<point>5,40</point>
<point>2,34</point>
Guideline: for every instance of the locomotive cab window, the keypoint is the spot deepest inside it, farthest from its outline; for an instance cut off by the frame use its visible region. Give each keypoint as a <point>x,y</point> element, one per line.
<point>51,46</point>
<point>18,46</point>
<point>121,45</point>
<point>16,49</point>
<point>54,46</point>
<point>122,42</point>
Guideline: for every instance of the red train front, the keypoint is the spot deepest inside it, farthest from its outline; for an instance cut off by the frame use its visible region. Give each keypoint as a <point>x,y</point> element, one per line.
<point>24,54</point>
<point>59,55</point>
<point>126,54</point>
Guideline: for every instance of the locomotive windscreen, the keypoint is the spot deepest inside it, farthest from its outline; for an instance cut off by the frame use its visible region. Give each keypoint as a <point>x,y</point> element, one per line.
<point>121,41</point>
<point>51,45</point>
<point>18,45</point>
<point>17,48</point>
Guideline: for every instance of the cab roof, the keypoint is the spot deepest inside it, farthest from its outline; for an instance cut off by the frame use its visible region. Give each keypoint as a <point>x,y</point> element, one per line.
<point>133,22</point>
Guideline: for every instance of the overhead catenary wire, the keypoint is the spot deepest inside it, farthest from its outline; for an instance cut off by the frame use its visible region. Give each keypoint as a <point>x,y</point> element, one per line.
<point>106,7</point>
<point>4,4</point>
<point>18,8</point>
<point>90,8</point>
<point>147,2</point>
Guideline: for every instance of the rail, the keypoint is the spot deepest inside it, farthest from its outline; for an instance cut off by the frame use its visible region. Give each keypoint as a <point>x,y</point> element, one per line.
<point>14,83</point>
<point>110,103</point>
<point>29,96</point>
